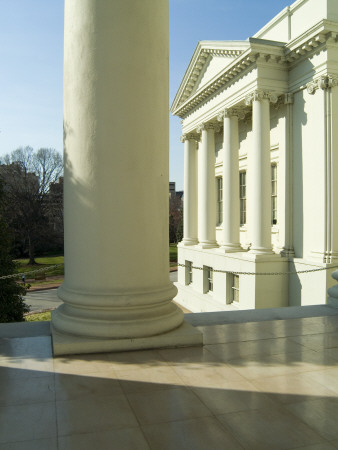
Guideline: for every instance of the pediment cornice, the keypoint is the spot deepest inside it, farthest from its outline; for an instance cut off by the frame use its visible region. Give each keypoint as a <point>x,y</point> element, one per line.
<point>257,52</point>
<point>202,54</point>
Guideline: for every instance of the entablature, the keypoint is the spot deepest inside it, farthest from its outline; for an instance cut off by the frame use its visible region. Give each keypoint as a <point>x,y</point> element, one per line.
<point>260,54</point>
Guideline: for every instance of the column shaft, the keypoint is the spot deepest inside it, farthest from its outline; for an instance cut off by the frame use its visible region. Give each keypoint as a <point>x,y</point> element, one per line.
<point>230,184</point>
<point>206,188</point>
<point>116,171</point>
<point>260,176</point>
<point>190,190</point>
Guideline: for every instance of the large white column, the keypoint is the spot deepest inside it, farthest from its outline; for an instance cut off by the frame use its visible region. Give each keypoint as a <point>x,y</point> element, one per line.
<point>206,186</point>
<point>190,189</point>
<point>231,219</point>
<point>260,172</point>
<point>116,292</point>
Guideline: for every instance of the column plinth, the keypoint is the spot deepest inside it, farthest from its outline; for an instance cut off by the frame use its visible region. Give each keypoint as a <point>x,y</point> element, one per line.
<point>117,294</point>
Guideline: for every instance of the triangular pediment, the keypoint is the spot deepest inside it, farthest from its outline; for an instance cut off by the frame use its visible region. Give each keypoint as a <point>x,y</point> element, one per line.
<point>209,59</point>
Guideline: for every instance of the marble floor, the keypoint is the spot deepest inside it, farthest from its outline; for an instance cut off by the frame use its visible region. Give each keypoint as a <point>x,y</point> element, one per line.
<point>256,384</point>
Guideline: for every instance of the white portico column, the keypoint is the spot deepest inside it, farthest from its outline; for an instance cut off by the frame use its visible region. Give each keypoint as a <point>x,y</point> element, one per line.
<point>206,186</point>
<point>117,294</point>
<point>260,172</point>
<point>231,219</point>
<point>190,189</point>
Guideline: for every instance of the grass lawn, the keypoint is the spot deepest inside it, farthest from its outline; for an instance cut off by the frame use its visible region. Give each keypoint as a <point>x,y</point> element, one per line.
<point>173,253</point>
<point>43,261</point>
<point>38,317</point>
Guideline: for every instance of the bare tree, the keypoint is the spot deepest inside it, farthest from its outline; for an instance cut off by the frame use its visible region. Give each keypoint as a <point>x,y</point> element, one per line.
<point>27,176</point>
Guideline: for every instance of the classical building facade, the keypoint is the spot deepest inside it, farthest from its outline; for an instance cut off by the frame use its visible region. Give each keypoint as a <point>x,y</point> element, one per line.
<point>259,121</point>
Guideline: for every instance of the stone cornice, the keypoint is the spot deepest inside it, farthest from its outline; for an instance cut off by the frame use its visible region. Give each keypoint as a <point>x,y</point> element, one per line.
<point>202,53</point>
<point>322,82</point>
<point>261,52</point>
<point>324,32</point>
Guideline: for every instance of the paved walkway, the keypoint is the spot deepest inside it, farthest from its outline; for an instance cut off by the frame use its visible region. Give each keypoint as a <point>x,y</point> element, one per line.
<point>268,385</point>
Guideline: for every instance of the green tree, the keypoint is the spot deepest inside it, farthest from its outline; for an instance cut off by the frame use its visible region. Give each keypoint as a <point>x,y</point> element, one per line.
<point>12,306</point>
<point>175,219</point>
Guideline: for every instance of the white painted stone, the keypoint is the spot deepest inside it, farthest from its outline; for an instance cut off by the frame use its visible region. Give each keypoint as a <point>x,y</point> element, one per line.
<point>292,85</point>
<point>116,284</point>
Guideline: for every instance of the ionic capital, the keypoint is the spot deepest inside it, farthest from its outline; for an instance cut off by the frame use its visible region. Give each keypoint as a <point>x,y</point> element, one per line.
<point>260,95</point>
<point>190,137</point>
<point>323,82</point>
<point>231,112</point>
<point>208,126</point>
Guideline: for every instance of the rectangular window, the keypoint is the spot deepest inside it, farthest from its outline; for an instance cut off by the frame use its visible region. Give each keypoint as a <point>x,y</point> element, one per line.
<point>235,288</point>
<point>242,197</point>
<point>188,272</point>
<point>219,200</point>
<point>274,194</point>
<point>208,279</point>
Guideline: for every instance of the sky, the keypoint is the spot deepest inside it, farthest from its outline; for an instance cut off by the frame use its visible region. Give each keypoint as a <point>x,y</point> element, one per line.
<point>31,50</point>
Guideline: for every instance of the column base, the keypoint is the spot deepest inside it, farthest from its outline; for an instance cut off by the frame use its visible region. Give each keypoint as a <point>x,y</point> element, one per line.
<point>231,248</point>
<point>207,244</point>
<point>189,241</point>
<point>183,336</point>
<point>261,251</point>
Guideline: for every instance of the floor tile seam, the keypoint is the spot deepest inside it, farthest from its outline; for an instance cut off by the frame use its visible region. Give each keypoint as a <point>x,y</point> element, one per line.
<point>160,389</point>
<point>267,338</point>
<point>226,426</point>
<point>135,415</point>
<point>185,419</point>
<point>324,385</point>
<point>119,373</point>
<point>184,383</point>
<point>300,419</point>
<point>256,356</point>
<point>191,420</point>
<point>286,376</point>
<point>30,440</point>
<point>25,403</point>
<point>82,433</point>
<point>55,412</point>
<point>100,429</point>
<point>328,333</point>
<point>294,394</point>
<point>84,374</point>
<point>173,388</point>
<point>87,397</point>
<point>307,447</point>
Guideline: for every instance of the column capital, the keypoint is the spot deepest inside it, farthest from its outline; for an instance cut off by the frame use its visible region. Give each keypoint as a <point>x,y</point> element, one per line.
<point>208,126</point>
<point>323,82</point>
<point>259,95</point>
<point>231,112</point>
<point>190,137</point>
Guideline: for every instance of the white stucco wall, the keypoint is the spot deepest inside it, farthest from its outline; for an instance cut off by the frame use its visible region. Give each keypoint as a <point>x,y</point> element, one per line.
<point>296,19</point>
